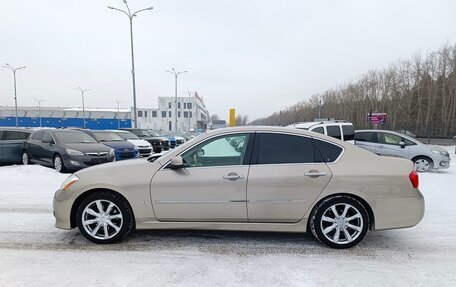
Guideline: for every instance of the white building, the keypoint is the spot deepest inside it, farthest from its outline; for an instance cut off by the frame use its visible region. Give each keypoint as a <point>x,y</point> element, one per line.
<point>191,115</point>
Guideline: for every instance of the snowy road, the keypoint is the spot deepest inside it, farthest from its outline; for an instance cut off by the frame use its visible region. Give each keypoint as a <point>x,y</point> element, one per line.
<point>34,253</point>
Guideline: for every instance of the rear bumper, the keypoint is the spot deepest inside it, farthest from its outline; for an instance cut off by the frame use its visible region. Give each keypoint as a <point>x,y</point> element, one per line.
<point>391,213</point>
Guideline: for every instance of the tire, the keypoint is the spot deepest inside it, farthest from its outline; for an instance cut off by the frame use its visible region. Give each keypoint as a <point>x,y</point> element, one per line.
<point>100,229</point>
<point>25,158</point>
<point>423,164</point>
<point>157,150</point>
<point>325,224</point>
<point>58,164</point>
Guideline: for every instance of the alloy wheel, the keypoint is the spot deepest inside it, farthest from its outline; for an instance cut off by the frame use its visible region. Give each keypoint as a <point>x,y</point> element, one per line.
<point>25,159</point>
<point>422,165</point>
<point>102,219</point>
<point>58,165</point>
<point>342,223</point>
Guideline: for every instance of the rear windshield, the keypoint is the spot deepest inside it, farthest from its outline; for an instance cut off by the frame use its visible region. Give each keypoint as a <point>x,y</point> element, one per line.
<point>73,137</point>
<point>107,137</point>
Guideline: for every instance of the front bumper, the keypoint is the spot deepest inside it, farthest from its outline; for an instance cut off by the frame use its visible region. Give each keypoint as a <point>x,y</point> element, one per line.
<point>62,209</point>
<point>441,161</point>
<point>77,162</point>
<point>128,154</point>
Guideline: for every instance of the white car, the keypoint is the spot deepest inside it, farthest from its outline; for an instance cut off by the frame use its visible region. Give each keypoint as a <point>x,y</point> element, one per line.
<point>338,129</point>
<point>144,147</point>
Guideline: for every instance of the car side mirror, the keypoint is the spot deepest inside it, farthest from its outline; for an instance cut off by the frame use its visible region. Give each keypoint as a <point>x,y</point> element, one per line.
<point>200,152</point>
<point>454,138</point>
<point>177,162</point>
<point>402,144</point>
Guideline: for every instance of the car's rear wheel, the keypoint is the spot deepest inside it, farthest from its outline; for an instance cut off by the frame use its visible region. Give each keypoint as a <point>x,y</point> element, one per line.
<point>339,222</point>
<point>58,164</point>
<point>105,217</point>
<point>25,158</point>
<point>423,164</point>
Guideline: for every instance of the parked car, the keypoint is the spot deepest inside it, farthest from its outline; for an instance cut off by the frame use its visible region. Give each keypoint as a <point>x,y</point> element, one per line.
<point>122,148</point>
<point>170,137</point>
<point>388,143</point>
<point>339,129</point>
<point>144,147</point>
<point>158,142</point>
<point>64,150</point>
<point>281,180</point>
<point>11,141</point>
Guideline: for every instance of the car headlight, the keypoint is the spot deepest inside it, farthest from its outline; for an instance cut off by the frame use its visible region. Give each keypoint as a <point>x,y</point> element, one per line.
<point>69,182</point>
<point>73,152</point>
<point>112,152</point>
<point>440,152</point>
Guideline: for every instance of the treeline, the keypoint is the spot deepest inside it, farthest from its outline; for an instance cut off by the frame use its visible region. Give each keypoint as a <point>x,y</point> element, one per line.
<point>418,94</point>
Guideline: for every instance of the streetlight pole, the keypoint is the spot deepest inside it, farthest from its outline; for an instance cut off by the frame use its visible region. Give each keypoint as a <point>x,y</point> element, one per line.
<point>118,112</point>
<point>176,74</point>
<point>39,109</point>
<point>130,17</point>
<point>83,105</point>
<point>8,66</point>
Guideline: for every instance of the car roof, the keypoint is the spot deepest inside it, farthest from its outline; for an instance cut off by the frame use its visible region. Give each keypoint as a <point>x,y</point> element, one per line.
<point>16,129</point>
<point>308,125</point>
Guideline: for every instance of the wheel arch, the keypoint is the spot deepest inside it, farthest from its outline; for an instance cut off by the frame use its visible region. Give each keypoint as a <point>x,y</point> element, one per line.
<point>81,197</point>
<point>366,205</point>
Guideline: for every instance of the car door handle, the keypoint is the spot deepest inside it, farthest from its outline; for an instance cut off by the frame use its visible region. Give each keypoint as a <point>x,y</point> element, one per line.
<point>315,173</point>
<point>233,176</point>
<point>380,146</point>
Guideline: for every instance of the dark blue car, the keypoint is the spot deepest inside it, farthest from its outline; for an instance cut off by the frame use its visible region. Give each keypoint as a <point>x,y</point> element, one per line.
<point>11,140</point>
<point>122,148</point>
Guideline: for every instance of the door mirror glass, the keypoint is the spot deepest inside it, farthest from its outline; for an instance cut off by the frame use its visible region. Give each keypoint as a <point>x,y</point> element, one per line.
<point>177,162</point>
<point>201,152</point>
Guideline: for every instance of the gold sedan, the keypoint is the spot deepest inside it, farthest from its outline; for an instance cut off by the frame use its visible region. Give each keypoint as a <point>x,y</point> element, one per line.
<point>246,178</point>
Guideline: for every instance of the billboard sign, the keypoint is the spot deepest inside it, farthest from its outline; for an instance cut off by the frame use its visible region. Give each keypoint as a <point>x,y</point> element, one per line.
<point>376,118</point>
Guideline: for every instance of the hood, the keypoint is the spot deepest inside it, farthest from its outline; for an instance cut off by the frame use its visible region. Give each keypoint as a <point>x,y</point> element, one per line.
<point>107,169</point>
<point>119,144</point>
<point>437,148</point>
<point>139,142</point>
<point>87,147</point>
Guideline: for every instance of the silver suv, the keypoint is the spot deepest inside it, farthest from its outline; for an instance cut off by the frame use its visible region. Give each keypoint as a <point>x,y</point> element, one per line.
<point>425,157</point>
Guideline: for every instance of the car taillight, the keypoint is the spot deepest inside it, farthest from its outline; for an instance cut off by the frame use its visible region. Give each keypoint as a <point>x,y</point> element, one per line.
<point>414,179</point>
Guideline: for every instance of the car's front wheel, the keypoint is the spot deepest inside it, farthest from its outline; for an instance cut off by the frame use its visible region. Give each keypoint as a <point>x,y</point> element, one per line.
<point>339,222</point>
<point>104,217</point>
<point>58,164</point>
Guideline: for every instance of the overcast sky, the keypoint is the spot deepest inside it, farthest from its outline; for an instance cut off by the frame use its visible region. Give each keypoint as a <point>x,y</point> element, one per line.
<point>256,56</point>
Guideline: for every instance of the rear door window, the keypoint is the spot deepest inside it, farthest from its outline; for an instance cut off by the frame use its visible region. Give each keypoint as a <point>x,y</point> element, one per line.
<point>334,131</point>
<point>16,135</point>
<point>286,149</point>
<point>349,132</point>
<point>365,137</point>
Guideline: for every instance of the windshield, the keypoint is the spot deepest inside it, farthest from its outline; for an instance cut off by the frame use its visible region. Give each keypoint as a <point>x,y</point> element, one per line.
<point>153,133</point>
<point>128,136</point>
<point>70,137</point>
<point>107,137</point>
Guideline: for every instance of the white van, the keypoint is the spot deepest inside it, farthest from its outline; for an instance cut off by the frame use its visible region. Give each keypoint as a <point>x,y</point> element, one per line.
<point>338,129</point>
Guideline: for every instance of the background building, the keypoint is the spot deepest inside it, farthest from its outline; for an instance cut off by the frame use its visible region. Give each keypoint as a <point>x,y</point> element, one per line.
<point>192,114</point>
<point>66,117</point>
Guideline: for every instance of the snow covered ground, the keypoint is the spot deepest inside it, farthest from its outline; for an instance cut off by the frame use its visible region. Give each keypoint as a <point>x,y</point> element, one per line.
<point>34,253</point>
